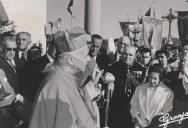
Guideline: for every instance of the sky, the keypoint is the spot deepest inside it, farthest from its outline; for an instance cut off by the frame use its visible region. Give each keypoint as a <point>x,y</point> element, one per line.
<point>28,15</point>
<point>112,12</point>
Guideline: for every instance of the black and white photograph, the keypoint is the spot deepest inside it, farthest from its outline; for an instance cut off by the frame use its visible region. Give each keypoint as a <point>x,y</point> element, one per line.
<point>93,63</point>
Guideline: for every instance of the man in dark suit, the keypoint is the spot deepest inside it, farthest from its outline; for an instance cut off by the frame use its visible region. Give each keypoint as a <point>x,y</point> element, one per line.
<point>23,40</point>
<point>7,63</point>
<point>125,85</point>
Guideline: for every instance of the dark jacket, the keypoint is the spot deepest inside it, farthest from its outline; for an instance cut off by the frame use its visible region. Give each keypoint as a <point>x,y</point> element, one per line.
<point>33,76</point>
<point>10,73</point>
<point>125,85</point>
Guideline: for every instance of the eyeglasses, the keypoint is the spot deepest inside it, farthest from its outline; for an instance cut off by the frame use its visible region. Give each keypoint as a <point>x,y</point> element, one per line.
<point>10,49</point>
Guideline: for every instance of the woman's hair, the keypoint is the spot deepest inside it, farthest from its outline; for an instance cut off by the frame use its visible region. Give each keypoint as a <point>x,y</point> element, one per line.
<point>157,69</point>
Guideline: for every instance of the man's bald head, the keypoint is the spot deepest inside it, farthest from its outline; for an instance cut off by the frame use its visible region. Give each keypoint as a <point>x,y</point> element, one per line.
<point>121,44</point>
<point>129,54</point>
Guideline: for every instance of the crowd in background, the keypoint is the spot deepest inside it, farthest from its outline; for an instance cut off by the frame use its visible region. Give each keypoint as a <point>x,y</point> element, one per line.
<point>140,75</point>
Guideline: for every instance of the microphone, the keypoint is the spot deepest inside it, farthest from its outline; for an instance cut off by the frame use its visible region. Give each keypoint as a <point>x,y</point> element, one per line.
<point>109,79</point>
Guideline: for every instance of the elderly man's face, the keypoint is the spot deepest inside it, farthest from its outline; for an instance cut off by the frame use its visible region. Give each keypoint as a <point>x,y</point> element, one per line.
<point>129,55</point>
<point>121,44</point>
<point>9,49</point>
<point>23,41</point>
<point>95,47</point>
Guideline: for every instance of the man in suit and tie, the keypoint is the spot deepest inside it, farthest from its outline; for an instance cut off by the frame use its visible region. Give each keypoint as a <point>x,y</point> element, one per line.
<point>23,40</point>
<point>8,43</point>
<point>7,64</point>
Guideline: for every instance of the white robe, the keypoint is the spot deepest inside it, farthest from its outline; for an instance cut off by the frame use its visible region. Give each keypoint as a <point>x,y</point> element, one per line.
<point>89,90</point>
<point>60,104</point>
<point>145,107</point>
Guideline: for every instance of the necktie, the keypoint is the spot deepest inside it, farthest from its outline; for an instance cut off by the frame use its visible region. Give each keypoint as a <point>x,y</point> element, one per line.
<point>12,64</point>
<point>23,57</point>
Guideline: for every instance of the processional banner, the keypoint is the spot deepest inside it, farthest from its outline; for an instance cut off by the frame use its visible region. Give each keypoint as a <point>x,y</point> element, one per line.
<point>152,33</point>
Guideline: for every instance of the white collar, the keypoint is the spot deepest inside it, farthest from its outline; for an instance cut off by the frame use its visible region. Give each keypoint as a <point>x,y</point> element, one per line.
<point>20,54</point>
<point>11,62</point>
<point>95,57</point>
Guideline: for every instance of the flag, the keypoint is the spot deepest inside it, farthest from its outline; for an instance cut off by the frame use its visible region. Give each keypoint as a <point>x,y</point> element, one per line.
<point>148,13</point>
<point>152,33</point>
<point>3,14</point>
<point>69,7</point>
<point>183,26</point>
<point>126,26</point>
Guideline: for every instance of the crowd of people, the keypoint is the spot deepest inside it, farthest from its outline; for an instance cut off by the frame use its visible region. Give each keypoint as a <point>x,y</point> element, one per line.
<point>68,86</point>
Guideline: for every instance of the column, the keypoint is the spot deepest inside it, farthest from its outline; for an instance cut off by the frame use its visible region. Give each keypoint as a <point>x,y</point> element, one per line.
<point>93,16</point>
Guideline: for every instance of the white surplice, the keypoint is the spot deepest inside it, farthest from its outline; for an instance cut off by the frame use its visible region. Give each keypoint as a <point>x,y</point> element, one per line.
<point>148,102</point>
